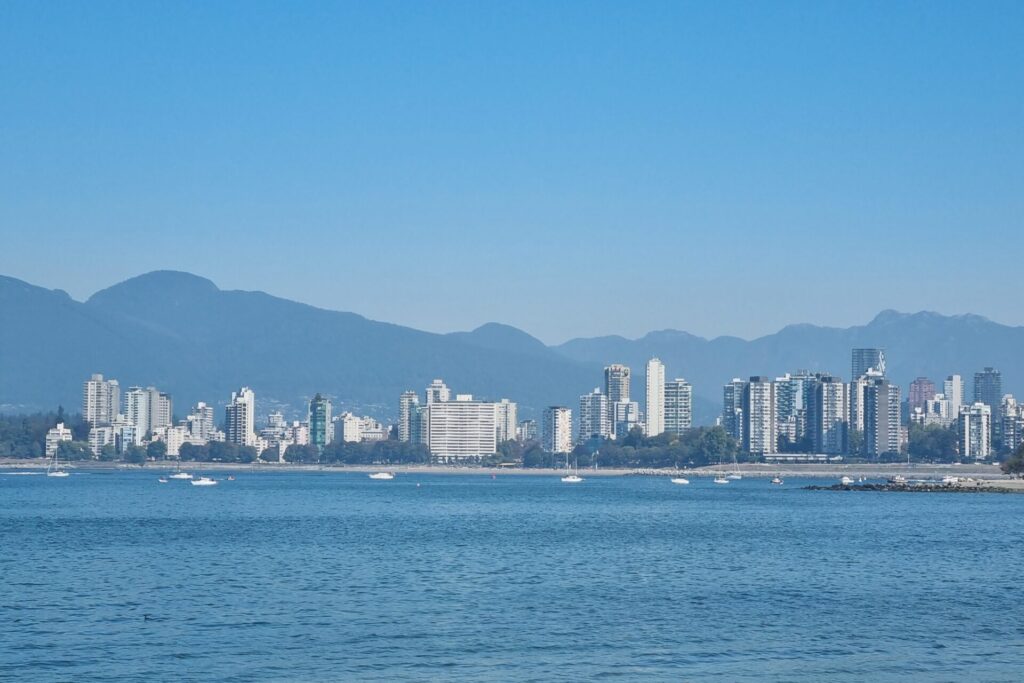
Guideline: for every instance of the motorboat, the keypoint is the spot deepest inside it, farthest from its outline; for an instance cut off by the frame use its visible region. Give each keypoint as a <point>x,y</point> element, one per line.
<point>180,475</point>
<point>846,481</point>
<point>777,481</point>
<point>721,480</point>
<point>680,480</point>
<point>162,480</point>
<point>898,479</point>
<point>384,476</point>
<point>203,481</point>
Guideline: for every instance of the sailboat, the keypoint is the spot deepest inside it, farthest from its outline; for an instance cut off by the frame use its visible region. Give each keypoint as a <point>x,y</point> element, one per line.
<point>178,474</point>
<point>570,476</point>
<point>54,468</point>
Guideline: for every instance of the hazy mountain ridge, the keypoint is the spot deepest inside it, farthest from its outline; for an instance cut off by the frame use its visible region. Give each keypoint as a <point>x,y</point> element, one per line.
<point>183,334</point>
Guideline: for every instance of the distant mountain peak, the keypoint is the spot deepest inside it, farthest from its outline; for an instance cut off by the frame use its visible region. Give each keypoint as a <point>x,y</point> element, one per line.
<point>159,281</point>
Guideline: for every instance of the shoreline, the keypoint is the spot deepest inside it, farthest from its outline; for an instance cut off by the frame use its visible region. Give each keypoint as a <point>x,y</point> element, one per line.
<point>751,470</point>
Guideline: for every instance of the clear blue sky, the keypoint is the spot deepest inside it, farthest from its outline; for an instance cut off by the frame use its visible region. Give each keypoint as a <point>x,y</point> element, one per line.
<point>568,168</point>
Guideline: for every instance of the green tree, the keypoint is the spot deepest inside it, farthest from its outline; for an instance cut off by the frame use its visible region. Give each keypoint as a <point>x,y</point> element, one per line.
<point>135,455</point>
<point>1015,463</point>
<point>156,450</point>
<point>74,450</point>
<point>304,453</point>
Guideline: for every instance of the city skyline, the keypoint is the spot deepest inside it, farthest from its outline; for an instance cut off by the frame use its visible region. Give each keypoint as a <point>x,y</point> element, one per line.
<point>476,143</point>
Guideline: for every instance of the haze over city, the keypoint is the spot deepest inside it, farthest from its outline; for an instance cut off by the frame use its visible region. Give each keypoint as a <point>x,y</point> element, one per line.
<point>570,169</point>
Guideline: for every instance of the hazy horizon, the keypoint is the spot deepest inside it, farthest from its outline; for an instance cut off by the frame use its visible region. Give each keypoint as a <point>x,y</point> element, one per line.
<point>83,298</point>
<point>570,169</point>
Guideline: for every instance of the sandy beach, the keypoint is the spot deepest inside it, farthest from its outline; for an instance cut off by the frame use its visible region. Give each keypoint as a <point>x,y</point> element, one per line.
<point>817,471</point>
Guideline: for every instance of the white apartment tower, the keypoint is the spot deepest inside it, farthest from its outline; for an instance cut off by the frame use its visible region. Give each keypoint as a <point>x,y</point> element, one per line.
<point>461,429</point>
<point>200,422</point>
<point>407,405</point>
<point>556,430</point>
<point>55,437</point>
<point>438,392</point>
<point>975,430</point>
<point>595,417</point>
<point>678,406</point>
<point>506,417</point>
<point>101,400</point>
<point>760,429</point>
<point>953,391</point>
<point>240,418</point>
<point>655,405</point>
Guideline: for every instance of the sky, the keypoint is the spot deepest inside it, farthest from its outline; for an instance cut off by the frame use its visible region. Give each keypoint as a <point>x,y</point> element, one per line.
<point>573,169</point>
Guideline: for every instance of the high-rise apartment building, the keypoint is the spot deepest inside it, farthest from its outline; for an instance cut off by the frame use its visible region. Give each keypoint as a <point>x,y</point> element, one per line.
<point>461,429</point>
<point>527,431</point>
<point>101,400</point>
<point>54,437</point>
<point>732,409</point>
<point>975,430</point>
<point>616,383</point>
<point>678,406</point>
<point>438,392</point>
<point>595,417</point>
<point>760,427</point>
<point>953,391</point>
<point>240,418</point>
<point>828,414</point>
<point>407,405</point>
<point>863,360</point>
<point>200,422</point>
<point>626,417</point>
<point>922,389</point>
<point>881,418</point>
<point>148,409</point>
<point>506,417</point>
<point>655,406</point>
<point>320,425</point>
<point>988,388</point>
<point>556,430</point>
<point>137,409</point>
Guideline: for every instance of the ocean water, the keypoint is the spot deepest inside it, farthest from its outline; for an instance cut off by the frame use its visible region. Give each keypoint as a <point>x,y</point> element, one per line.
<point>334,577</point>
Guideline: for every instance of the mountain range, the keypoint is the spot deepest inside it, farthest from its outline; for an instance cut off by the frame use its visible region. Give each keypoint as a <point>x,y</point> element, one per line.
<point>183,334</point>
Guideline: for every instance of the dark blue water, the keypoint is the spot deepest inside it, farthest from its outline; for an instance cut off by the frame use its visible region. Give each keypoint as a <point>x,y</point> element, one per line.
<point>333,577</point>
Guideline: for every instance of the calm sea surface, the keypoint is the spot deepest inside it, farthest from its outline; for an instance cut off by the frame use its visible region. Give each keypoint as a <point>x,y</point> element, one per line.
<point>333,577</point>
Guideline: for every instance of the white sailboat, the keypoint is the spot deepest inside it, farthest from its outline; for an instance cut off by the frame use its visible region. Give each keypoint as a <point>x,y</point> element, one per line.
<point>571,477</point>
<point>54,468</point>
<point>178,474</point>
<point>721,480</point>
<point>203,481</point>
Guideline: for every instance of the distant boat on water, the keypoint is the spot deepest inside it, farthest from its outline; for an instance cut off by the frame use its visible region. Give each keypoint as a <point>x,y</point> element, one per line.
<point>680,480</point>
<point>846,481</point>
<point>162,480</point>
<point>721,480</point>
<point>203,481</point>
<point>571,477</point>
<point>54,468</point>
<point>384,476</point>
<point>777,481</point>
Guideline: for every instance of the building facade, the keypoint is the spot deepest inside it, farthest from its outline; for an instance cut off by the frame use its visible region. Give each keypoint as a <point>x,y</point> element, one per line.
<point>760,425</point>
<point>240,418</point>
<point>595,417</point>
<point>862,360</point>
<point>678,407</point>
<point>101,400</point>
<point>654,420</point>
<point>556,430</point>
